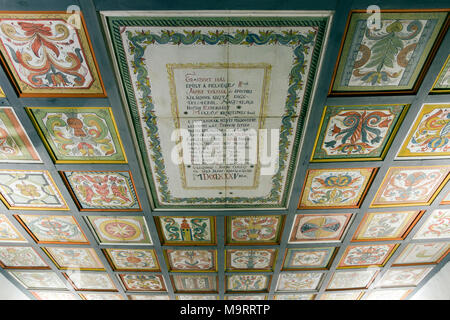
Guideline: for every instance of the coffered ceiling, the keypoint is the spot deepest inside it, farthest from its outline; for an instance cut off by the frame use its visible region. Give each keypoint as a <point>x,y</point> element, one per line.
<point>354,107</point>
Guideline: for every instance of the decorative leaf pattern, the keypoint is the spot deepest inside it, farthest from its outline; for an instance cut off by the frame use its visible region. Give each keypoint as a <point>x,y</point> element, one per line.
<point>352,132</point>
<point>47,55</point>
<point>389,57</point>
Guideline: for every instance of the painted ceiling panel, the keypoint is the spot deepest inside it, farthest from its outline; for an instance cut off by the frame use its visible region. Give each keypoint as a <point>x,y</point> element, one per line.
<point>16,145</point>
<point>132,259</point>
<point>335,188</point>
<point>20,258</point>
<point>250,259</point>
<point>390,57</point>
<point>47,56</point>
<point>119,230</point>
<point>79,134</point>
<point>74,258</point>
<point>222,73</point>
<point>53,229</point>
<point>96,205</point>
<point>350,133</point>
<point>30,190</point>
<point>426,138</point>
<point>442,83</point>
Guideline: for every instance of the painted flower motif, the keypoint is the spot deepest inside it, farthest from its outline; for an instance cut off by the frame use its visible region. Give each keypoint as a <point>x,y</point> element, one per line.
<point>387,51</point>
<point>129,259</point>
<point>28,190</point>
<point>254,228</point>
<point>38,32</point>
<point>298,281</point>
<point>339,181</point>
<point>191,259</point>
<point>434,133</point>
<point>366,255</point>
<point>251,258</point>
<point>51,68</point>
<point>102,189</point>
<point>247,282</point>
<point>436,226</point>
<point>307,258</point>
<point>338,188</point>
<point>406,186</point>
<point>143,282</point>
<point>360,132</point>
<point>133,259</point>
<point>384,226</point>
<point>119,229</point>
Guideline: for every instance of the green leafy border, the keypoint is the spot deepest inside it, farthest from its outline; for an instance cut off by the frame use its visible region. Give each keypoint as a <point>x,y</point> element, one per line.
<point>140,40</point>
